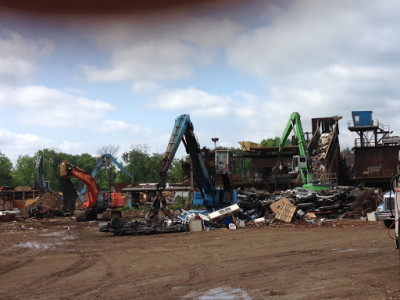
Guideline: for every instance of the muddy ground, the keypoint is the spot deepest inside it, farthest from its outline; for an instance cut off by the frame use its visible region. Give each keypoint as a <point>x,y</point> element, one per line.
<point>63,259</point>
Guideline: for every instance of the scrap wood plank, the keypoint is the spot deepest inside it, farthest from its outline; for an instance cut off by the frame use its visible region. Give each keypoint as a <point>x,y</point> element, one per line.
<point>286,212</point>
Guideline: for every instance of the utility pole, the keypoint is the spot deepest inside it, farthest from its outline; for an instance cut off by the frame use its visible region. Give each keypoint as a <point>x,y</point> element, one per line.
<point>215,140</point>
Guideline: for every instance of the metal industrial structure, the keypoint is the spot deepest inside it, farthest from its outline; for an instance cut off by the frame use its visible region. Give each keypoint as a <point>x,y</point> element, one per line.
<point>375,151</point>
<point>315,155</point>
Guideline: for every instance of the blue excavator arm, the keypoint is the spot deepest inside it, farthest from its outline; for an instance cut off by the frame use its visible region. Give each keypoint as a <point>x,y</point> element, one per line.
<point>208,195</point>
<point>183,132</point>
<point>39,170</point>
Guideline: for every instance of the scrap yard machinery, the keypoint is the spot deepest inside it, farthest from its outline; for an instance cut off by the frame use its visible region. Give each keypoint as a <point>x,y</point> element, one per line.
<point>97,202</point>
<point>300,163</point>
<point>208,195</point>
<point>43,185</point>
<point>95,171</point>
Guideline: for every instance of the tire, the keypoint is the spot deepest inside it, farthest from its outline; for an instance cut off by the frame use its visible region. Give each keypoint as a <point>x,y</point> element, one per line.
<point>116,214</point>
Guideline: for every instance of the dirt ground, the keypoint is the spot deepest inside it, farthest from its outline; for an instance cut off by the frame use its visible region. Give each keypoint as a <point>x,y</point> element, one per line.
<point>62,259</point>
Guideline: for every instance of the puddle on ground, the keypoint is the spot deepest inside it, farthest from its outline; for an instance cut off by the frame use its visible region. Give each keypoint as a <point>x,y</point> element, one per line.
<point>220,293</point>
<point>346,250</point>
<point>35,245</point>
<point>60,234</point>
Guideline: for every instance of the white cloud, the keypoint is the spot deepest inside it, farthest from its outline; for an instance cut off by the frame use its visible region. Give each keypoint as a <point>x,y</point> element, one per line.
<point>348,72</point>
<point>19,55</point>
<point>143,51</point>
<point>14,144</point>
<point>145,87</point>
<point>151,60</point>
<point>303,37</point>
<point>195,100</point>
<point>75,147</point>
<point>43,106</point>
<point>128,128</point>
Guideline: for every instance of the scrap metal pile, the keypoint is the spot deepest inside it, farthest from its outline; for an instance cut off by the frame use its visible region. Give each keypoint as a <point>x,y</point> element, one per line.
<point>46,206</point>
<point>5,204</point>
<point>255,206</point>
<point>319,154</point>
<point>127,227</point>
<point>339,202</point>
<point>7,212</point>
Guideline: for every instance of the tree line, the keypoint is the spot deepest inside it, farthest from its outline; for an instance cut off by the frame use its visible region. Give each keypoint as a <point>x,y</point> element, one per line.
<point>138,161</point>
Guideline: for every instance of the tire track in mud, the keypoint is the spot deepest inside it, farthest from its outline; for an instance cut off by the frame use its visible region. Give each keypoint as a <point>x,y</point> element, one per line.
<point>46,282</point>
<point>313,257</point>
<point>261,270</point>
<point>11,266</point>
<point>116,280</point>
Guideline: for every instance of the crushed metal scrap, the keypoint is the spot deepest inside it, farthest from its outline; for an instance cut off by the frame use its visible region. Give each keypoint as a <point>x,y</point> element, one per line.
<point>263,208</point>
<point>127,227</point>
<point>338,202</point>
<point>46,206</point>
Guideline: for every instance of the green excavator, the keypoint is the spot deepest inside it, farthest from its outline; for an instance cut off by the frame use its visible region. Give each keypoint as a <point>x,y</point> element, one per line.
<point>301,163</point>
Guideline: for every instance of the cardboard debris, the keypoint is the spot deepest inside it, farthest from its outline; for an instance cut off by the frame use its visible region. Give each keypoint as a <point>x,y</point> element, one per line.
<point>286,212</point>
<point>276,205</point>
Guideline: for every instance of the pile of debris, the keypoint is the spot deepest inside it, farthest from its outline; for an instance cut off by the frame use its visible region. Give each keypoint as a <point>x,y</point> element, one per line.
<point>46,206</point>
<point>5,204</point>
<point>260,207</point>
<point>124,227</point>
<point>22,188</point>
<point>338,202</point>
<point>319,154</point>
<point>7,212</point>
<point>256,206</point>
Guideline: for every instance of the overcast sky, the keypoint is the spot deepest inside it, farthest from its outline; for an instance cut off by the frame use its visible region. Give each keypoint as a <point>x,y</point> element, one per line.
<point>75,82</point>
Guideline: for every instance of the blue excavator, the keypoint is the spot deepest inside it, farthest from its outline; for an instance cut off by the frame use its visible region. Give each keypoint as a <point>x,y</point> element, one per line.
<point>208,195</point>
<point>43,185</point>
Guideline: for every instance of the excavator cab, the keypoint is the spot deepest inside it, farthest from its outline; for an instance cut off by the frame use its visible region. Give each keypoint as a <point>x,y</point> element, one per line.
<point>223,159</point>
<point>298,162</point>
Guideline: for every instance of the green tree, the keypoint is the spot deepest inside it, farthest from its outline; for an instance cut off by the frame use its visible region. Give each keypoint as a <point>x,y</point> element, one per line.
<point>51,163</point>
<point>24,170</point>
<point>347,150</point>
<point>135,161</point>
<point>5,170</point>
<point>152,167</point>
<point>270,142</point>
<point>176,174</point>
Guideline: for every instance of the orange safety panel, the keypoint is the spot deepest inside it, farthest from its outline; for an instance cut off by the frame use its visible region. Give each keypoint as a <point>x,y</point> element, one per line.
<point>117,200</point>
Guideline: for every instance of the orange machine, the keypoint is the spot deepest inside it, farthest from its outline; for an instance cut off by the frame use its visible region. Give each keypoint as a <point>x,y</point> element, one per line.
<point>97,202</point>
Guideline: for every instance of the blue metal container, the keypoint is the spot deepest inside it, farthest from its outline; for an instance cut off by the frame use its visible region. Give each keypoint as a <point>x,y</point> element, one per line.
<point>362,118</point>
